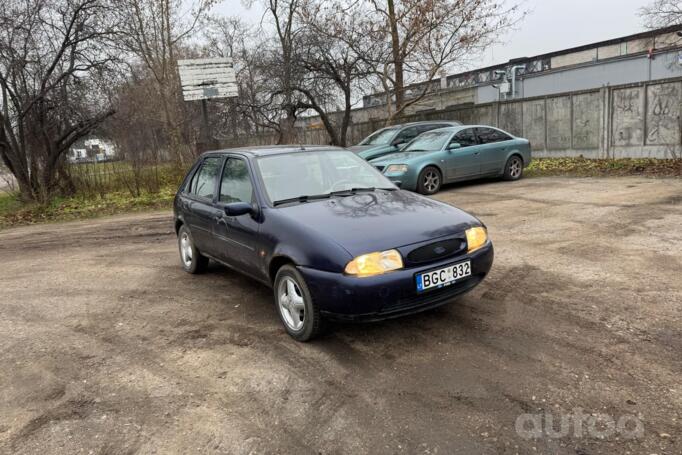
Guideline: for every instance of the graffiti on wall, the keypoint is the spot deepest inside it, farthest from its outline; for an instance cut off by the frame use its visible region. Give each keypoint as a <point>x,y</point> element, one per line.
<point>534,122</point>
<point>559,123</point>
<point>586,121</point>
<point>663,114</point>
<point>628,122</point>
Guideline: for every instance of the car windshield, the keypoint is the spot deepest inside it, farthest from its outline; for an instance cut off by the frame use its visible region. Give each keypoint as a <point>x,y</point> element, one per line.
<point>381,137</point>
<point>428,142</point>
<point>318,174</point>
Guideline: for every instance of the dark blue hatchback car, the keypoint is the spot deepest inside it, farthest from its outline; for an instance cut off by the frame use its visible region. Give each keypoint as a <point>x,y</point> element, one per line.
<point>333,237</point>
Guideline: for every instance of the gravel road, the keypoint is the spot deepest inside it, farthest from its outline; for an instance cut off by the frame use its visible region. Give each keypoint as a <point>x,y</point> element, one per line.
<point>106,346</point>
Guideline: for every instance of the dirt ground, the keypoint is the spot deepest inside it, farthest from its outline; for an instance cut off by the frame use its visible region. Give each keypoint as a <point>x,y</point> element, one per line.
<point>106,346</point>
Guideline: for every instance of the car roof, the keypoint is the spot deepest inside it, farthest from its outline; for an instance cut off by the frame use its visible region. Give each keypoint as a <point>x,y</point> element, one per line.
<point>266,150</point>
<point>457,128</point>
<point>429,122</point>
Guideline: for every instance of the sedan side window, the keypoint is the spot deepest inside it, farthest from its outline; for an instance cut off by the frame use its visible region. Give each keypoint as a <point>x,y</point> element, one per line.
<point>465,138</point>
<point>489,135</point>
<point>235,185</point>
<point>203,183</point>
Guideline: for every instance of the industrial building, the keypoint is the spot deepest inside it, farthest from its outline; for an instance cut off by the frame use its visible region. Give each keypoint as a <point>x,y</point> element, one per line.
<point>643,57</point>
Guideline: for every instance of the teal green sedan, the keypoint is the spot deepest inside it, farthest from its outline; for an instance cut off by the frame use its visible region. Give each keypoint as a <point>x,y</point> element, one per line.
<point>455,154</point>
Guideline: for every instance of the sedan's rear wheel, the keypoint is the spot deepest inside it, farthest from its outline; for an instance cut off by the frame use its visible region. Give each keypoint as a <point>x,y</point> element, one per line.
<point>297,311</point>
<point>430,180</point>
<point>513,170</point>
<point>192,260</point>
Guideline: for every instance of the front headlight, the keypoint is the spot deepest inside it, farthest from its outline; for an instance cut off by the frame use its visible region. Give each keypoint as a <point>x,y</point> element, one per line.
<point>396,169</point>
<point>476,238</point>
<point>375,263</point>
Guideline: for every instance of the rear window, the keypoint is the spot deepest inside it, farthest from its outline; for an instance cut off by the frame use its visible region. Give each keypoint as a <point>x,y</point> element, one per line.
<point>204,181</point>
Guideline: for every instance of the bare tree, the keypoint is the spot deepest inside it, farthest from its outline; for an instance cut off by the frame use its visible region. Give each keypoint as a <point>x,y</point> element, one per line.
<point>333,57</point>
<point>282,68</point>
<point>154,31</point>
<point>52,56</point>
<point>427,36</point>
<point>662,13</point>
<point>253,110</point>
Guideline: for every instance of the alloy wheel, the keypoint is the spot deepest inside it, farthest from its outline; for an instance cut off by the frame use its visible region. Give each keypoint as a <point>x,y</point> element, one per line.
<point>515,168</point>
<point>431,181</point>
<point>186,249</point>
<point>291,303</point>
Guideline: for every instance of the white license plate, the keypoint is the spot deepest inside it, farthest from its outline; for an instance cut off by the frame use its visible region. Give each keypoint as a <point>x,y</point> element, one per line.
<point>443,277</point>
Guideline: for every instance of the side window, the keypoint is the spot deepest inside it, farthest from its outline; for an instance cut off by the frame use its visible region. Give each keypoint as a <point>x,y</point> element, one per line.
<point>235,184</point>
<point>406,135</point>
<point>465,138</point>
<point>489,135</point>
<point>189,184</point>
<point>500,136</point>
<point>203,183</point>
<point>428,127</point>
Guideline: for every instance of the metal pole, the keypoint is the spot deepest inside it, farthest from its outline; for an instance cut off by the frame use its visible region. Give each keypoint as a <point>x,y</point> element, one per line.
<point>204,114</point>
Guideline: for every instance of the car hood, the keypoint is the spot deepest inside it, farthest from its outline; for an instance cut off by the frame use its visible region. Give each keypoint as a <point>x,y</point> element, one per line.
<point>380,220</point>
<point>369,152</point>
<point>399,157</point>
<point>360,148</point>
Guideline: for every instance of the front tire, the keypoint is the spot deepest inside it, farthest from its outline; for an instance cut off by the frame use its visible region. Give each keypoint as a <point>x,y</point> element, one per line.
<point>430,180</point>
<point>191,259</point>
<point>513,169</point>
<point>299,314</point>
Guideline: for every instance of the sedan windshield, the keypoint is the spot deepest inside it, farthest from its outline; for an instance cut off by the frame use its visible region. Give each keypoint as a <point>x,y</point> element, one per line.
<point>381,137</point>
<point>311,175</point>
<point>428,142</point>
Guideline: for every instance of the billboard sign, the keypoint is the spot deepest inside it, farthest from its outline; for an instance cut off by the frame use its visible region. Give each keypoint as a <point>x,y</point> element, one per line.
<point>207,78</point>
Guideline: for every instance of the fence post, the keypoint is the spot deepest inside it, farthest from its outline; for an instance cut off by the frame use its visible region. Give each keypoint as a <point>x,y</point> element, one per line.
<point>607,120</point>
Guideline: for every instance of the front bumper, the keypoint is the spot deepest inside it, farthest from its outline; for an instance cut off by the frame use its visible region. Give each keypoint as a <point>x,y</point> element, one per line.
<point>404,181</point>
<point>394,294</point>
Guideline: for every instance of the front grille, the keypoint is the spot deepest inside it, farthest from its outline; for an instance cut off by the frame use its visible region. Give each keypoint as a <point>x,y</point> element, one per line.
<point>411,300</point>
<point>380,168</point>
<point>436,251</point>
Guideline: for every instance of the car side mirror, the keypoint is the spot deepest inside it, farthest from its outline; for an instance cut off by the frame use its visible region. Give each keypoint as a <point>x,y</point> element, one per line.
<point>454,145</point>
<point>237,208</point>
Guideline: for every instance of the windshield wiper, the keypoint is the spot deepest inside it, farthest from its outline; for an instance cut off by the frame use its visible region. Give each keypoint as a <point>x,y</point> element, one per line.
<point>352,191</point>
<point>315,197</point>
<point>302,199</point>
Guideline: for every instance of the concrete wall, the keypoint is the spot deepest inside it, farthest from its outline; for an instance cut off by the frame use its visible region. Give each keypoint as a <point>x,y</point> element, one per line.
<point>633,121</point>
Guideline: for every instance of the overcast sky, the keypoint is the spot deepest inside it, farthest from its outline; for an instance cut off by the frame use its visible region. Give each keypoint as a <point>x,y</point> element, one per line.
<point>551,25</point>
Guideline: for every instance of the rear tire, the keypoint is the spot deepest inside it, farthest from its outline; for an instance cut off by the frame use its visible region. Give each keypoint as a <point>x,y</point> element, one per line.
<point>430,180</point>
<point>513,169</point>
<point>299,314</point>
<point>191,259</point>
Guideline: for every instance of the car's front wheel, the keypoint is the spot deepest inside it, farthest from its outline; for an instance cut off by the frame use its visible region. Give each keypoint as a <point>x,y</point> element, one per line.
<point>430,180</point>
<point>297,311</point>
<point>513,170</point>
<point>191,259</point>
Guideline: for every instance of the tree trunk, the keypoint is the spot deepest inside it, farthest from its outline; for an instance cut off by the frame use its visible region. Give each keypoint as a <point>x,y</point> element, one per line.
<point>287,129</point>
<point>398,87</point>
<point>343,136</point>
